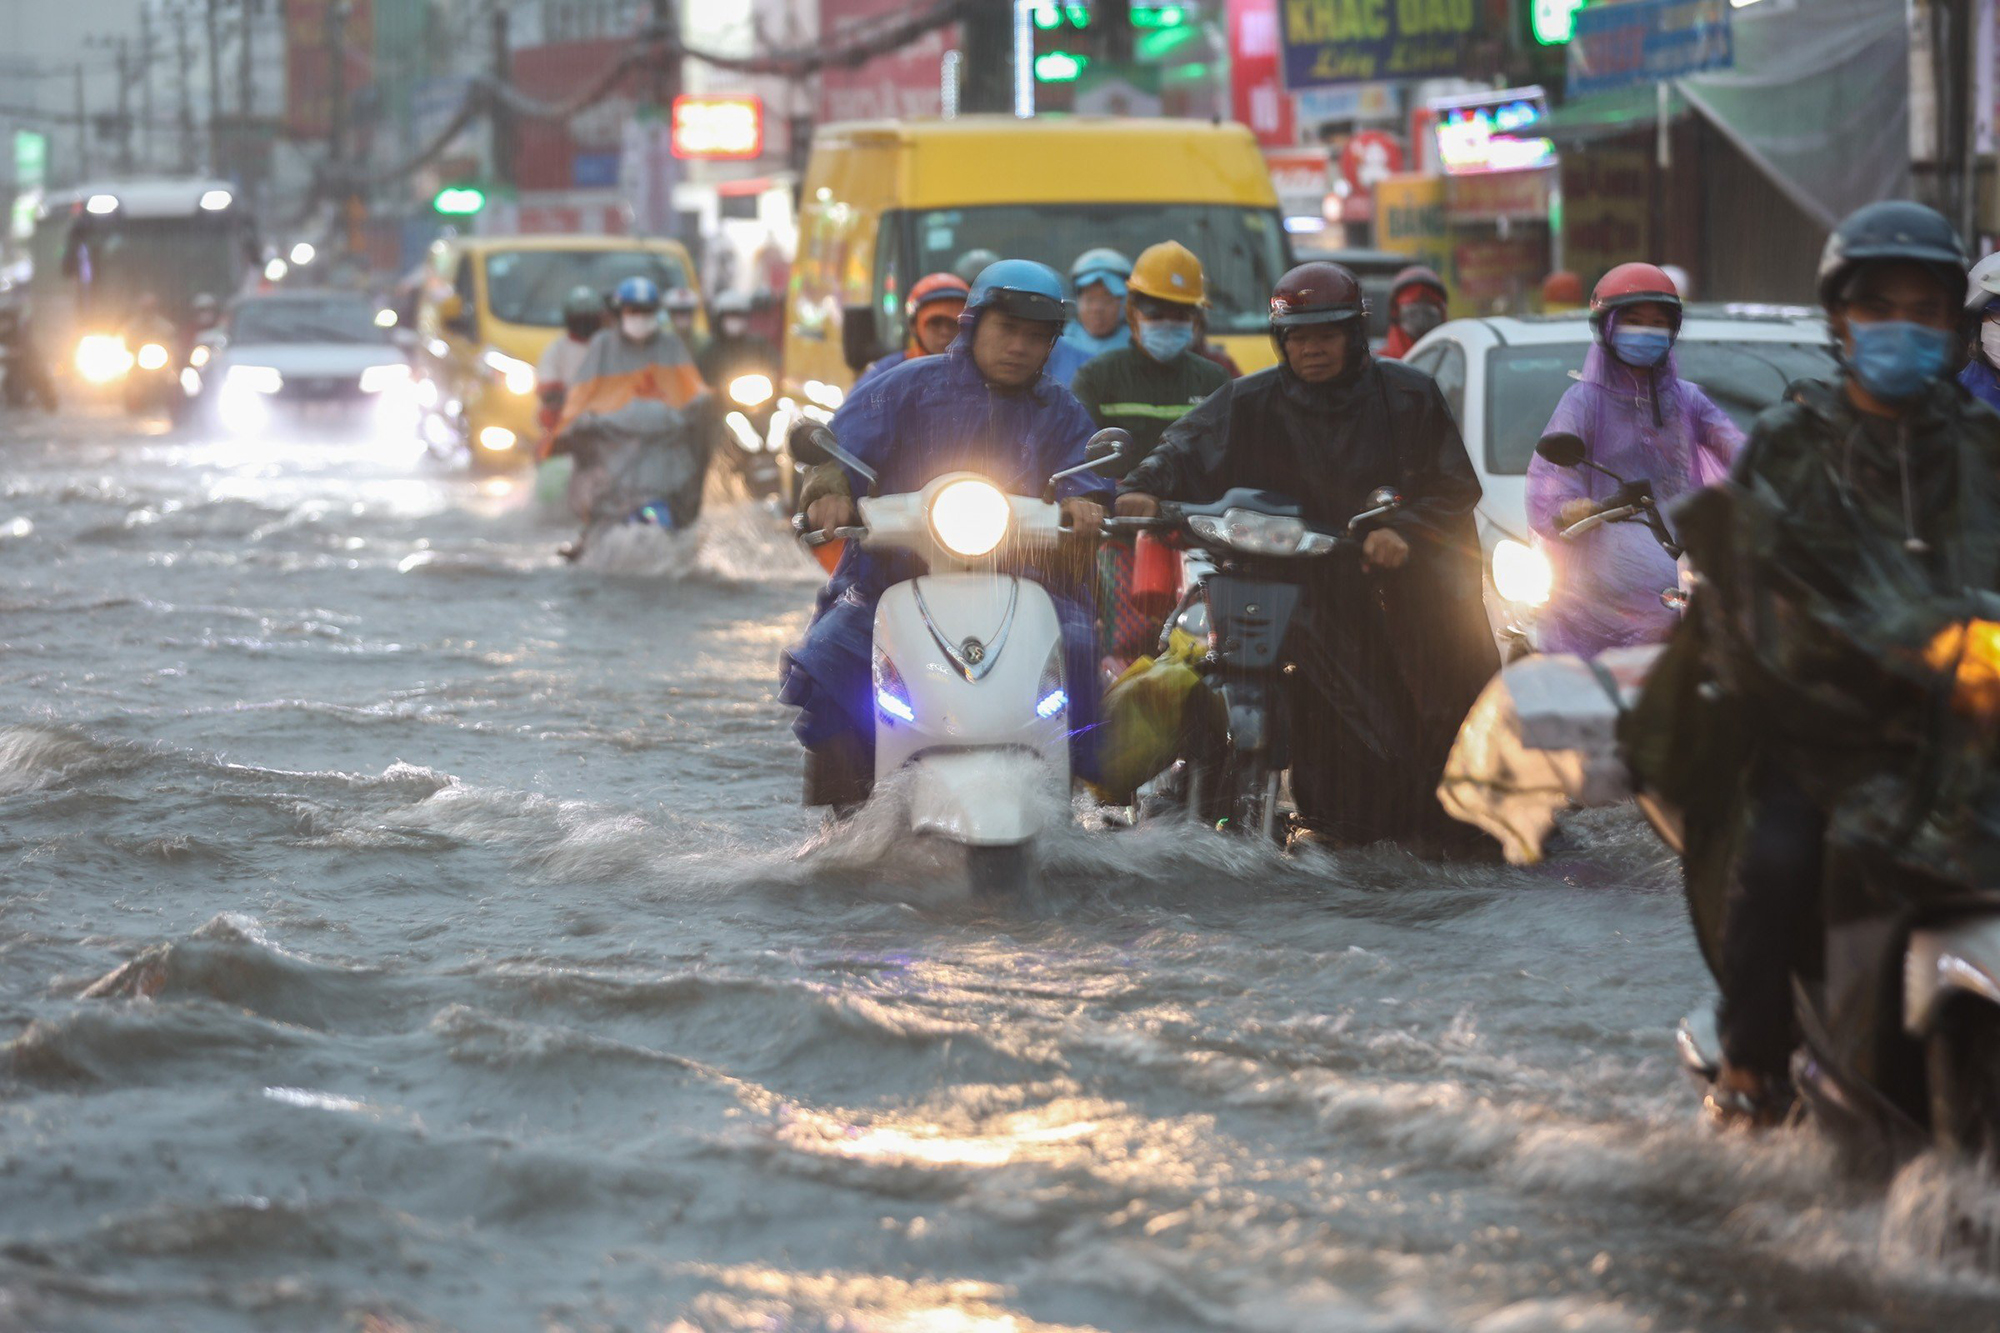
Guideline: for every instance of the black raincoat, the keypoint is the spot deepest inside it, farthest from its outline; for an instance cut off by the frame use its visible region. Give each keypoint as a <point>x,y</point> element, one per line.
<point>1805,679</point>
<point>1391,662</point>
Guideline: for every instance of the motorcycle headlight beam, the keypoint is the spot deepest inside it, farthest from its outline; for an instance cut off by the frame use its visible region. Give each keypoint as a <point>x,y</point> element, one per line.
<point>750,390</point>
<point>970,517</point>
<point>1522,574</point>
<point>152,356</point>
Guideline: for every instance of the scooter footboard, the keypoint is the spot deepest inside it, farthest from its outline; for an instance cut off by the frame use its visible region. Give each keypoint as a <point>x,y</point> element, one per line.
<point>984,798</point>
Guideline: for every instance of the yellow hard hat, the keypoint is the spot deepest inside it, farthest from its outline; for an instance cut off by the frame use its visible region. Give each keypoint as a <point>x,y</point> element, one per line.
<point>1169,272</point>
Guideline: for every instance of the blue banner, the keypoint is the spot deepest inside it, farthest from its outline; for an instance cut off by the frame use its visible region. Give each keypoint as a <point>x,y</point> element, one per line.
<point>1360,41</point>
<point>1647,41</point>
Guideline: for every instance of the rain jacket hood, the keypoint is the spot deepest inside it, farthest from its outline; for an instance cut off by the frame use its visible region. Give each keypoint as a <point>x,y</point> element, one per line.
<point>1647,424</point>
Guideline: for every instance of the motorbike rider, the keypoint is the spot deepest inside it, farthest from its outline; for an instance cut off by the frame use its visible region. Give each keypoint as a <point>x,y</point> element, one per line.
<point>1098,278</point>
<point>1562,291</point>
<point>583,316</point>
<point>733,348</point>
<point>987,405</point>
<point>1637,418</point>
<point>973,263</point>
<point>1143,388</point>
<point>681,304</point>
<point>1981,375</point>
<point>1391,648</point>
<point>1417,301</point>
<point>932,312</point>
<point>1856,504</point>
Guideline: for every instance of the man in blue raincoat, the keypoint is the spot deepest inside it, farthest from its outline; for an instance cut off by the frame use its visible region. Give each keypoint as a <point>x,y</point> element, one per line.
<point>987,405</point>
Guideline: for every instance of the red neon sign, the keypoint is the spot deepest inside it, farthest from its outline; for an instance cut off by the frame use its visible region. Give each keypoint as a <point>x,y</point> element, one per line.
<point>718,128</point>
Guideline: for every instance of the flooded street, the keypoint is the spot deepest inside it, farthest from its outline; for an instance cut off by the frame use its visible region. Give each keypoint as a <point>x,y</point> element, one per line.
<point>405,930</point>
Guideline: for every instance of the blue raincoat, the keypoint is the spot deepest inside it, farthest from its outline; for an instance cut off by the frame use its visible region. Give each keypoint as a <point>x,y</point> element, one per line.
<point>1065,359</point>
<point>913,423</point>
<point>1637,423</point>
<point>1983,382</point>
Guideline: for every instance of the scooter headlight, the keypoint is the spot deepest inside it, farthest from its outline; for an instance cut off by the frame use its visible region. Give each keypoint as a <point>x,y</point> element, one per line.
<point>750,390</point>
<point>970,517</point>
<point>152,357</point>
<point>1522,574</point>
<point>102,358</point>
<point>1252,533</point>
<point>892,697</point>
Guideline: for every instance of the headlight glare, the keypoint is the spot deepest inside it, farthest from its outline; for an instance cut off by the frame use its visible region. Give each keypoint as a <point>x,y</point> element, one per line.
<point>102,358</point>
<point>380,379</point>
<point>1522,574</point>
<point>254,379</point>
<point>750,390</point>
<point>970,517</point>
<point>517,374</point>
<point>152,356</point>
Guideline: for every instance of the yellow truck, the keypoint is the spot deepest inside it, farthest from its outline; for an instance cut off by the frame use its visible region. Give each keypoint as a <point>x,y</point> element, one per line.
<point>491,306</point>
<point>886,202</point>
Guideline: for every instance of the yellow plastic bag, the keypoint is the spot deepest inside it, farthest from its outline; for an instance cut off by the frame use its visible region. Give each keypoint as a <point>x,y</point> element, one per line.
<point>1144,713</point>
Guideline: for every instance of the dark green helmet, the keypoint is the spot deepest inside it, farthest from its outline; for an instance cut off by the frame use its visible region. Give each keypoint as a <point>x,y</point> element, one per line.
<point>1892,231</point>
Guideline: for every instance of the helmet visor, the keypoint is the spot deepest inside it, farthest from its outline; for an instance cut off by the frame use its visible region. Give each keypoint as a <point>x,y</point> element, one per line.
<point>1027,305</point>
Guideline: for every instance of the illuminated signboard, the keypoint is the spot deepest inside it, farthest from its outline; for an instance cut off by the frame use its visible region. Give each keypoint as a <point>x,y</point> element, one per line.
<point>711,127</point>
<point>1493,132</point>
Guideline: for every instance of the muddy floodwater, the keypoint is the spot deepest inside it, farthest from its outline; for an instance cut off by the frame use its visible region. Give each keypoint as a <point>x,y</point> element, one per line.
<point>401,929</point>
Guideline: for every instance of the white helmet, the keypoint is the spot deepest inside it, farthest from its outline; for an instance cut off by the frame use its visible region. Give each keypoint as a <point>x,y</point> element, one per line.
<point>1982,284</point>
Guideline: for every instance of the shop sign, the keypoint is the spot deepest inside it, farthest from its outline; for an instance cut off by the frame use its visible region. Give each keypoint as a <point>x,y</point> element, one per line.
<point>1604,208</point>
<point>1362,41</point>
<point>1647,41</point>
<point>1410,220</point>
<point>1498,272</point>
<point>1369,157</point>
<point>1256,88</point>
<point>712,128</point>
<point>1511,196</point>
<point>1492,132</point>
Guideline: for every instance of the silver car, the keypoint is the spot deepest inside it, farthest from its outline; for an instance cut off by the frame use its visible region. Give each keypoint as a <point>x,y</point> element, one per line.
<point>318,361</point>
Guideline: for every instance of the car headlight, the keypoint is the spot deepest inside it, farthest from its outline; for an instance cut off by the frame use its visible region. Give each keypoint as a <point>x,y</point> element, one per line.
<point>1521,573</point>
<point>102,357</point>
<point>516,374</point>
<point>1252,533</point>
<point>152,356</point>
<point>970,517</point>
<point>380,379</point>
<point>254,379</point>
<point>199,356</point>
<point>750,390</point>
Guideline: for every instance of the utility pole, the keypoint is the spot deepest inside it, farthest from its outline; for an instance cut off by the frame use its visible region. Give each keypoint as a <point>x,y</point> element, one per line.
<point>146,81</point>
<point>662,170</point>
<point>213,32</point>
<point>184,62</point>
<point>124,106</point>
<point>989,57</point>
<point>245,84</point>
<point>503,114</point>
<point>82,128</point>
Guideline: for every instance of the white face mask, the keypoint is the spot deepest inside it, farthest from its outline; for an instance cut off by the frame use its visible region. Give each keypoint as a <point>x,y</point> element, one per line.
<point>1989,341</point>
<point>639,325</point>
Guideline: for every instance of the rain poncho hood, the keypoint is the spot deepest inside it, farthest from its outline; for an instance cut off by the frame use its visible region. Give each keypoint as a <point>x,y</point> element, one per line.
<point>1091,345</point>
<point>912,424</point>
<point>1638,424</point>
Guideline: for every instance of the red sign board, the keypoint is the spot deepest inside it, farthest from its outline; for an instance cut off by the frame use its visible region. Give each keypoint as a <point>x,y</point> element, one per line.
<point>314,29</point>
<point>903,83</point>
<point>581,152</point>
<point>1257,94</point>
<point>713,128</point>
<point>1369,158</point>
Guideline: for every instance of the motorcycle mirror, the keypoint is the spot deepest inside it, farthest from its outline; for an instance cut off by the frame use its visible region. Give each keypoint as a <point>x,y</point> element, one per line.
<point>813,445</point>
<point>1563,449</point>
<point>1107,446</point>
<point>1385,497</point>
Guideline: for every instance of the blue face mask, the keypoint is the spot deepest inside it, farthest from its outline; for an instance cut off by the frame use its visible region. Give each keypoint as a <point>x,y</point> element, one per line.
<point>1641,348</point>
<point>1896,359</point>
<point>1165,339</point>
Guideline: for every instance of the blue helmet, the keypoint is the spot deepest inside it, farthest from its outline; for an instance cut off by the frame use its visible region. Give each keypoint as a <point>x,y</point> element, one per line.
<point>1103,265</point>
<point>636,294</point>
<point>1022,288</point>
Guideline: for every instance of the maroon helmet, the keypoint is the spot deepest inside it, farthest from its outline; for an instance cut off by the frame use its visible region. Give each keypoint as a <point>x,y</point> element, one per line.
<point>1316,293</point>
<point>1633,284</point>
<point>1416,275</point>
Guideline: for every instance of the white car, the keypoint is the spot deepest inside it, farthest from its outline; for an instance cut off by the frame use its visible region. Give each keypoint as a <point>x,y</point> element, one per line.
<point>321,361</point>
<point>1503,376</point>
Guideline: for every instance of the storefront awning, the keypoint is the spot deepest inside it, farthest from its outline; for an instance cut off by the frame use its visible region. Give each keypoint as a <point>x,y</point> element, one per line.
<point>1607,115</point>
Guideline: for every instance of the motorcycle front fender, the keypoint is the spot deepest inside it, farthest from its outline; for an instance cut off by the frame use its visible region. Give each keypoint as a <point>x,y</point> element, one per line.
<point>1961,958</point>
<point>984,798</point>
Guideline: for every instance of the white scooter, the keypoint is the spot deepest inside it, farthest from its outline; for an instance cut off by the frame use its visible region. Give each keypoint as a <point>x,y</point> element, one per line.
<point>970,700</point>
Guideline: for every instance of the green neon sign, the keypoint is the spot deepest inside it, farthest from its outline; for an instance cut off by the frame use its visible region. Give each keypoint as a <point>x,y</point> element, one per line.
<point>1553,21</point>
<point>459,201</point>
<point>1060,67</point>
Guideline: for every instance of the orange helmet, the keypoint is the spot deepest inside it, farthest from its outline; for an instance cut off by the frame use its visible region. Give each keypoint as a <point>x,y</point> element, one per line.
<point>935,287</point>
<point>1633,284</point>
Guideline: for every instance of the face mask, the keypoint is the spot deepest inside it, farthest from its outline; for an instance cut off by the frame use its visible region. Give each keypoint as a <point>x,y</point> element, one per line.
<point>1165,339</point>
<point>1989,341</point>
<point>1641,348</point>
<point>639,325</point>
<point>1895,359</point>
<point>1419,318</point>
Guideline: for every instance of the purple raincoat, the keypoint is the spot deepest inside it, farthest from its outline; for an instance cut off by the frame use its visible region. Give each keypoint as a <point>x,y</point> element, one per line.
<point>1637,423</point>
